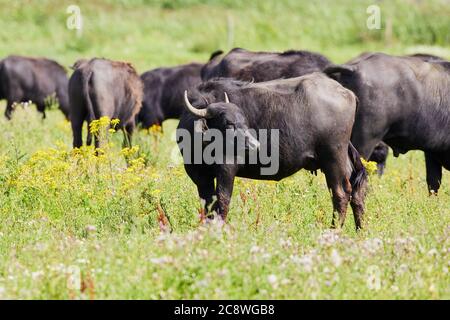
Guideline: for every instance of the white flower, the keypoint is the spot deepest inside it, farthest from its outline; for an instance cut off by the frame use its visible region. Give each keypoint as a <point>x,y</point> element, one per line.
<point>161,260</point>
<point>404,245</point>
<point>202,283</point>
<point>306,262</point>
<point>285,243</point>
<point>402,269</point>
<point>82,261</point>
<point>328,238</point>
<point>273,280</point>
<point>73,277</point>
<point>336,259</point>
<point>373,279</point>
<point>266,256</point>
<point>373,245</point>
<point>91,228</point>
<point>255,249</point>
<point>37,274</point>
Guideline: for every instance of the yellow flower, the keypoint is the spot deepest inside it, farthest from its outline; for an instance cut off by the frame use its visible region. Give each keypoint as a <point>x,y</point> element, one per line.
<point>371,166</point>
<point>155,192</point>
<point>155,129</point>
<point>115,122</point>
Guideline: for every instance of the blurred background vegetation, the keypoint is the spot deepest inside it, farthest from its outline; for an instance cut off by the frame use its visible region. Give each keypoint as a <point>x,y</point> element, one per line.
<point>152,33</point>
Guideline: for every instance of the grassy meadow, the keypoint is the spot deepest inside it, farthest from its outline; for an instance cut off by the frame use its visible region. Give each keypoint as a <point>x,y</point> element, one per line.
<point>126,224</point>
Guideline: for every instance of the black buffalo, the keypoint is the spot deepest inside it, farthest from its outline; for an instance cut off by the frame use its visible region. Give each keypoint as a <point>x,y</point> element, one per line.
<point>246,65</point>
<point>101,87</point>
<point>314,115</point>
<point>24,79</point>
<point>163,92</point>
<point>405,102</point>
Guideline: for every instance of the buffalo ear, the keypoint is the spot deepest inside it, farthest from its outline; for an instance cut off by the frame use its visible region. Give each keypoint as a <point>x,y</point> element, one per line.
<point>200,125</point>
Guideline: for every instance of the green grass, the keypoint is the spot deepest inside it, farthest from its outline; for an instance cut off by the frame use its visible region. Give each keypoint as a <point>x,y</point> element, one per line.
<point>78,226</point>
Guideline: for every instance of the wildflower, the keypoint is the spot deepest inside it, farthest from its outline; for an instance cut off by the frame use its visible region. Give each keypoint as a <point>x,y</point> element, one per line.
<point>223,272</point>
<point>82,261</point>
<point>373,279</point>
<point>203,283</point>
<point>306,262</point>
<point>255,249</point>
<point>285,243</point>
<point>371,166</point>
<point>73,277</point>
<point>37,274</point>
<point>402,269</point>
<point>336,259</point>
<point>161,260</point>
<point>372,245</point>
<point>155,129</point>
<point>328,238</point>
<point>273,280</point>
<point>115,122</point>
<point>91,229</point>
<point>404,245</point>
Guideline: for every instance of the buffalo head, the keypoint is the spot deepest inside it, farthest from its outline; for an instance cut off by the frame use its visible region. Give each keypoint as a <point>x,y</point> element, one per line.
<point>223,116</point>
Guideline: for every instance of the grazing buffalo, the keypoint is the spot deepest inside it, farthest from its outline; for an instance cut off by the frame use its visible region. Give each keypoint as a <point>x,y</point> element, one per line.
<point>101,87</point>
<point>246,65</point>
<point>427,57</point>
<point>307,122</point>
<point>163,92</point>
<point>405,102</point>
<point>24,79</point>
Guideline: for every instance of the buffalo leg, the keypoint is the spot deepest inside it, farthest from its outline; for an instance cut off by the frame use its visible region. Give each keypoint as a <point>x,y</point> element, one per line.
<point>358,182</point>
<point>127,134</point>
<point>224,189</point>
<point>205,189</point>
<point>41,108</point>
<point>205,184</point>
<point>379,155</point>
<point>77,127</point>
<point>339,184</point>
<point>434,173</point>
<point>9,110</point>
<point>88,137</point>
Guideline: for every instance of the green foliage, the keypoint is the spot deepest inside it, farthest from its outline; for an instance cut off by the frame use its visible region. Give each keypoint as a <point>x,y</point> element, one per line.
<point>151,33</point>
<point>75,225</point>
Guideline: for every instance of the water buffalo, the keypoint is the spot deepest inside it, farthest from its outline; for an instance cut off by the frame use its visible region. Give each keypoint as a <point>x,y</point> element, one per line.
<point>405,102</point>
<point>24,79</point>
<point>101,87</point>
<point>312,116</point>
<point>427,57</point>
<point>245,65</point>
<point>163,92</point>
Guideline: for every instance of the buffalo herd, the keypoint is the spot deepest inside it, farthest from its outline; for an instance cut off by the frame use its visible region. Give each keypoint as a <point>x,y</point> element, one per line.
<point>323,115</point>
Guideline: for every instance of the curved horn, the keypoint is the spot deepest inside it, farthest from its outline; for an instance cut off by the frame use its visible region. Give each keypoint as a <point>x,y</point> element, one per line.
<point>198,112</point>
<point>226,98</point>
